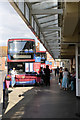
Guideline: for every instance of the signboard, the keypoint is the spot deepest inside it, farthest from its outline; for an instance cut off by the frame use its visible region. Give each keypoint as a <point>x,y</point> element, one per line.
<point>21,56</point>
<point>37,67</point>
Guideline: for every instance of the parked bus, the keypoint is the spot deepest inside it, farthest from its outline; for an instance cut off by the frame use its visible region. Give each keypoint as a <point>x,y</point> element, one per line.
<point>43,59</point>
<point>40,60</point>
<point>21,56</point>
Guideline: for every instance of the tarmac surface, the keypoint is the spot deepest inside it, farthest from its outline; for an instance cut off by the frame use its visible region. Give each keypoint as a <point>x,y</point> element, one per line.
<point>43,102</point>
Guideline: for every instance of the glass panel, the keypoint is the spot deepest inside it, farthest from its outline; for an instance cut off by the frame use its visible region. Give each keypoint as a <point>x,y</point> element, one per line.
<point>21,49</point>
<point>21,46</point>
<point>21,6</point>
<point>42,55</point>
<point>27,12</point>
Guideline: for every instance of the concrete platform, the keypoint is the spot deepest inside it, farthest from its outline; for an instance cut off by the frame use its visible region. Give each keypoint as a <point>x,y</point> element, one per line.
<point>2,78</point>
<point>46,102</point>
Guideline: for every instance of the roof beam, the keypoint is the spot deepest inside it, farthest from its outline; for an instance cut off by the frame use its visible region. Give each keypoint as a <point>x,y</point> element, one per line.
<point>51,40</point>
<point>51,37</point>
<point>52,44</point>
<point>56,50</point>
<point>54,35</point>
<point>52,25</point>
<point>43,12</point>
<point>53,7</point>
<point>48,21</point>
<point>49,24</point>
<point>51,32</point>
<point>43,17</point>
<point>51,28</point>
<point>43,5</point>
<point>48,17</point>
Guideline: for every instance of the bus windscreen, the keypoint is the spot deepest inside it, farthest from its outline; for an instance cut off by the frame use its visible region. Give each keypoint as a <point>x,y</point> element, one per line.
<point>42,55</point>
<point>21,49</point>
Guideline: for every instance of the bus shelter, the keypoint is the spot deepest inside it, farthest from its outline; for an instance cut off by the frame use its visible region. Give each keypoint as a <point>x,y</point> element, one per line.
<point>56,26</point>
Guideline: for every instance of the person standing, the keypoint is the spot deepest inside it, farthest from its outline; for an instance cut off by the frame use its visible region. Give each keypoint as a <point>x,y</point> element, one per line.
<point>13,73</point>
<point>44,76</point>
<point>65,79</point>
<point>47,75</point>
<point>60,76</point>
<point>58,73</point>
<point>55,71</point>
<point>41,74</point>
<point>73,79</point>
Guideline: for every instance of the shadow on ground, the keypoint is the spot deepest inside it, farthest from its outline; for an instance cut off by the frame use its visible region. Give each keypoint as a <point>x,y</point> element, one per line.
<point>46,102</point>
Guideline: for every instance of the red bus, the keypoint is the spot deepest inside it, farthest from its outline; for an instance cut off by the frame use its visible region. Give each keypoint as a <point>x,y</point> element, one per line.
<point>40,60</point>
<point>43,57</point>
<point>21,56</point>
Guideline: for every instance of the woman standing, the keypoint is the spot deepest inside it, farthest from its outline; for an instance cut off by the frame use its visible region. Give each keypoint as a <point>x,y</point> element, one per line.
<point>60,76</point>
<point>65,79</point>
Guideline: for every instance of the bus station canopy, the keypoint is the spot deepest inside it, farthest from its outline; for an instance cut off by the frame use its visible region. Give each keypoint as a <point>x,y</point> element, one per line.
<point>52,23</point>
<point>42,18</point>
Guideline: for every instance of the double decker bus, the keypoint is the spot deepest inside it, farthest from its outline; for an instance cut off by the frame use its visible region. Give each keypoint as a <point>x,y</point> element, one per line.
<point>21,56</point>
<point>40,60</point>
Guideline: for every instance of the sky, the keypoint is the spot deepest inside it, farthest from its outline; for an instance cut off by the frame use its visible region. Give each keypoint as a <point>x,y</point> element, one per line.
<point>12,26</point>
